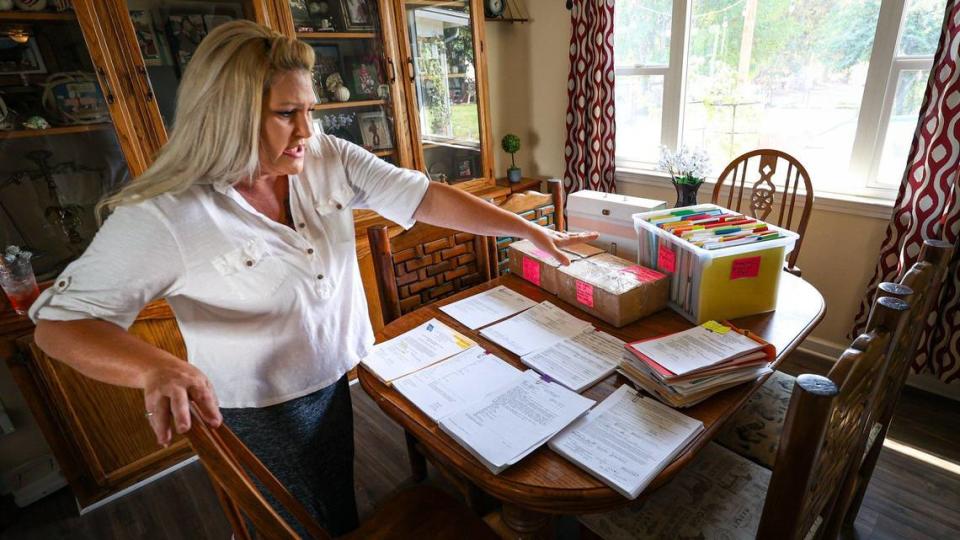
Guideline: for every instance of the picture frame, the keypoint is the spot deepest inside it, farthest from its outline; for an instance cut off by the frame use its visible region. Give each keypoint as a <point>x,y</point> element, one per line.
<point>465,168</point>
<point>186,32</point>
<point>301,16</point>
<point>357,15</point>
<point>374,130</point>
<point>327,62</point>
<point>20,58</point>
<point>365,78</point>
<point>147,39</point>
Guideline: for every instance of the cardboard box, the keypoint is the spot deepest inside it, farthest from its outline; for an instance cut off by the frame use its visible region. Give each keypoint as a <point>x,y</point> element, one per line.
<point>612,289</point>
<point>538,267</point>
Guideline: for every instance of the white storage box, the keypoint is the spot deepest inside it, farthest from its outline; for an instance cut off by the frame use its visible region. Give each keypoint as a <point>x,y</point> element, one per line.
<point>610,215</point>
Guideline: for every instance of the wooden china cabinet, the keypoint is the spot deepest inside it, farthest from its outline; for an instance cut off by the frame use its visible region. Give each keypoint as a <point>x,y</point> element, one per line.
<point>88,92</point>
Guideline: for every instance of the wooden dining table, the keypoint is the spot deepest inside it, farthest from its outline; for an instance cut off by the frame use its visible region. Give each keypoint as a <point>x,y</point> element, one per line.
<point>544,483</point>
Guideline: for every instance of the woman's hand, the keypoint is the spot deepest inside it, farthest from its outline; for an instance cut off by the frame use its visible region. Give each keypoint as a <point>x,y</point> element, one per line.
<point>551,241</point>
<point>168,390</point>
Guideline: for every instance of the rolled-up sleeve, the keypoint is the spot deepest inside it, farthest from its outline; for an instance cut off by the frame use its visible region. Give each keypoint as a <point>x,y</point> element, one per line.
<point>133,260</point>
<point>393,192</point>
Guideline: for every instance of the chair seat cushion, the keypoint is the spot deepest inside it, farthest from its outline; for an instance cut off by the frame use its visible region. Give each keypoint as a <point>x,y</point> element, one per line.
<point>719,495</point>
<point>754,431</point>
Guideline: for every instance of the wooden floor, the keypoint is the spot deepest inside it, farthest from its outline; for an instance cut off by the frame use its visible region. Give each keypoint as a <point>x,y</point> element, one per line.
<point>908,498</point>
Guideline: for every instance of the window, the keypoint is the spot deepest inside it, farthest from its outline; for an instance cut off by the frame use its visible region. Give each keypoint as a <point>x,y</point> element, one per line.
<point>836,83</point>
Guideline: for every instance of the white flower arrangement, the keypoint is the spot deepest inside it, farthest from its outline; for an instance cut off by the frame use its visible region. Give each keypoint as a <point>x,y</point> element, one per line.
<point>686,166</point>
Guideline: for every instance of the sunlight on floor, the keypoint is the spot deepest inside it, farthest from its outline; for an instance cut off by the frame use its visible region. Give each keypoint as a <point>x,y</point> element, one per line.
<point>925,457</point>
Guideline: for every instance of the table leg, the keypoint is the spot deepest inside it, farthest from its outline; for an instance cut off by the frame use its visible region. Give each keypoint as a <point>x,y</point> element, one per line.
<point>525,524</point>
<point>418,463</point>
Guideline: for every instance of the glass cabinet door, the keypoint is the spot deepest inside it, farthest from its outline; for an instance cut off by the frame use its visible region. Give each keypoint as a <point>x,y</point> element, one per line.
<point>442,70</point>
<point>168,32</point>
<point>59,150</point>
<point>354,73</point>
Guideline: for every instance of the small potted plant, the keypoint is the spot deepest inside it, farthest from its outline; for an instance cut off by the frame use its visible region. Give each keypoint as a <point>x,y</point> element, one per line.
<point>511,144</point>
<point>688,169</point>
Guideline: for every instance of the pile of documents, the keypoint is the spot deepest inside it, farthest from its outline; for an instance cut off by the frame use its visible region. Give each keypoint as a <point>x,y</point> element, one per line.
<point>626,440</point>
<point>685,368</point>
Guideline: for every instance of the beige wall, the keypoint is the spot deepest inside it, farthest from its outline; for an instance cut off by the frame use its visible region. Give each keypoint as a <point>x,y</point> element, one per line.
<point>528,66</point>
<point>528,79</point>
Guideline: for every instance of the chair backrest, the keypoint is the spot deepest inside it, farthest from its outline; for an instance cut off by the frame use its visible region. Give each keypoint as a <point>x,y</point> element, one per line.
<point>768,177</point>
<point>546,209</point>
<point>424,264</point>
<point>825,427</point>
<point>920,286</point>
<point>227,461</point>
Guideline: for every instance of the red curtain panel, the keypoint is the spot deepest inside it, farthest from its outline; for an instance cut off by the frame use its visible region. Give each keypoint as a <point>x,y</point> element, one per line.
<point>927,206</point>
<point>591,130</point>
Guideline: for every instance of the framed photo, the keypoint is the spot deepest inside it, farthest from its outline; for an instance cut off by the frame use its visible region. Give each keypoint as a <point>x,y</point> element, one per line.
<point>365,79</point>
<point>340,124</point>
<point>327,62</point>
<point>20,58</point>
<point>146,37</point>
<point>301,16</point>
<point>186,32</point>
<point>465,168</point>
<point>374,130</point>
<point>357,15</point>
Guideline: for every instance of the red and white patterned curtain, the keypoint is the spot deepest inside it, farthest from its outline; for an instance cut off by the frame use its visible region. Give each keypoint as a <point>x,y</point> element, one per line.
<point>591,129</point>
<point>927,206</point>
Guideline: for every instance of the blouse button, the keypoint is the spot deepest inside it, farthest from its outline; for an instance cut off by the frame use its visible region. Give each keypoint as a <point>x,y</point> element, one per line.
<point>309,251</point>
<point>62,284</point>
<point>319,276</point>
<point>249,263</point>
<point>339,206</point>
<point>301,225</point>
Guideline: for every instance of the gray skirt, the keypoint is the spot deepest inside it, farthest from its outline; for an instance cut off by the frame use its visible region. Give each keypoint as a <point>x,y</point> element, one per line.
<point>307,443</point>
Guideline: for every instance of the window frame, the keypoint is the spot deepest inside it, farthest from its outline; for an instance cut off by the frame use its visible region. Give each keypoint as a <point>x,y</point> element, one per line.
<point>876,103</point>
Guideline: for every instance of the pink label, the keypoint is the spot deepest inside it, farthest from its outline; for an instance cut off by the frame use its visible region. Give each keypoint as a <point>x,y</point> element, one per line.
<point>531,271</point>
<point>643,273</point>
<point>745,268</point>
<point>666,260</point>
<point>585,293</point>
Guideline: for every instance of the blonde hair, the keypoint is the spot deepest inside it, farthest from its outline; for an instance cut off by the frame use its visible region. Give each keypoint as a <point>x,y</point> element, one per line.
<point>216,131</point>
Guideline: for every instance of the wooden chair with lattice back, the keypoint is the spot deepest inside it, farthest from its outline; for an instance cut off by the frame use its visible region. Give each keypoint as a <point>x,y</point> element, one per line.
<point>419,512</point>
<point>424,264</point>
<point>768,178</point>
<point>727,495</point>
<point>546,209</point>
<point>919,285</point>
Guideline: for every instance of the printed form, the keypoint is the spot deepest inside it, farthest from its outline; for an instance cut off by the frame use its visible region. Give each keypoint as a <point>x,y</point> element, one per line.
<point>539,327</point>
<point>487,307</point>
<point>423,346</point>
<point>695,348</point>
<point>580,361</point>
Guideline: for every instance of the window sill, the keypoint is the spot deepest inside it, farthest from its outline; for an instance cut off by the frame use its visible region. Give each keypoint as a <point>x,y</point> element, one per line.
<point>840,203</point>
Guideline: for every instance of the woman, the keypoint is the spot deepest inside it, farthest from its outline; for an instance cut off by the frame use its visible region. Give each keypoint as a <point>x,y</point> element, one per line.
<point>244,225</point>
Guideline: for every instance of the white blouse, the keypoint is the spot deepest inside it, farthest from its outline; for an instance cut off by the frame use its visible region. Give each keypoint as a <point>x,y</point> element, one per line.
<point>267,312</point>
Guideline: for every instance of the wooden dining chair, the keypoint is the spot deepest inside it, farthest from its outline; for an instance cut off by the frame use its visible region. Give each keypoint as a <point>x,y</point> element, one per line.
<point>768,179</point>
<point>754,432</point>
<point>722,494</point>
<point>546,209</point>
<point>424,264</point>
<point>920,285</point>
<point>420,512</point>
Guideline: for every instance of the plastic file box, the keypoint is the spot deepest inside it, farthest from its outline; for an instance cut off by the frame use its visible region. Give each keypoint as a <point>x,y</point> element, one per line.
<point>609,214</point>
<point>716,284</point>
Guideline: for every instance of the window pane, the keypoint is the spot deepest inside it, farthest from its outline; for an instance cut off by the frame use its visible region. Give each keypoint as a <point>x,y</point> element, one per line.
<point>784,75</point>
<point>903,122</point>
<point>639,108</point>
<point>922,21</point>
<point>642,33</point>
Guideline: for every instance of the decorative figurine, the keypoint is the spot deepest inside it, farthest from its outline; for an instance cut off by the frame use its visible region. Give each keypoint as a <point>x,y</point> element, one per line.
<point>36,122</point>
<point>337,90</point>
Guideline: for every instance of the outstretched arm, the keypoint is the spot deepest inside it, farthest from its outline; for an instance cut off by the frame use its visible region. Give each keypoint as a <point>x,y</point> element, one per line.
<point>447,206</point>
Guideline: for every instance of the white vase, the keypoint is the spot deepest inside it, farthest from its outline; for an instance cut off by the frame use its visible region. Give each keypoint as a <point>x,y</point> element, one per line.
<point>341,93</point>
